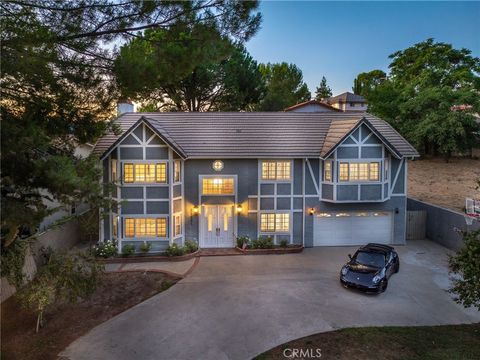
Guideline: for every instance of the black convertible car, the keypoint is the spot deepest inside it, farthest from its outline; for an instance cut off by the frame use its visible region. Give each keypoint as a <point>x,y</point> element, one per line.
<point>370,268</point>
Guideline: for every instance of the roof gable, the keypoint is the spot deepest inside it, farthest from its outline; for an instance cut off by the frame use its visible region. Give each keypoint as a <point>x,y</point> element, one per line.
<point>133,132</point>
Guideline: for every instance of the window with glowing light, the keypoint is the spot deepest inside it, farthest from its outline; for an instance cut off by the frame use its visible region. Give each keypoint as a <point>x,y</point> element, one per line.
<point>145,227</point>
<point>145,173</point>
<point>274,222</point>
<point>217,186</point>
<point>276,170</point>
<point>356,171</point>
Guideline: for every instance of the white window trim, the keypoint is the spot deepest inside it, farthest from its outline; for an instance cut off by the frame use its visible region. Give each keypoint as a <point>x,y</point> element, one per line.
<point>234,177</point>
<point>142,183</point>
<point>143,238</point>
<point>360,161</point>
<point>275,232</point>
<point>290,179</point>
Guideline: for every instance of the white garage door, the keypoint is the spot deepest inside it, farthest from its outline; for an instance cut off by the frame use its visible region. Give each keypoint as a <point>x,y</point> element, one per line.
<point>352,228</point>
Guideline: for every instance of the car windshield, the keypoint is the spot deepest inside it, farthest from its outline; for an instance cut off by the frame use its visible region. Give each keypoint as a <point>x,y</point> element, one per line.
<point>370,259</point>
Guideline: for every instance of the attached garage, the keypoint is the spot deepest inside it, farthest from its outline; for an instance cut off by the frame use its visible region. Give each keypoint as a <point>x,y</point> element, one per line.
<point>352,228</point>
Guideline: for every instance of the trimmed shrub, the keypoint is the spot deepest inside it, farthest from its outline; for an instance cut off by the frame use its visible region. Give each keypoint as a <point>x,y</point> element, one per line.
<point>263,243</point>
<point>145,247</point>
<point>243,240</point>
<point>128,250</point>
<point>106,249</point>
<point>190,246</point>
<point>175,250</point>
<point>283,243</point>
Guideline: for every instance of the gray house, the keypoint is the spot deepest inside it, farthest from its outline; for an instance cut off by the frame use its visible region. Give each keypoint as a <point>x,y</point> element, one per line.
<point>327,178</point>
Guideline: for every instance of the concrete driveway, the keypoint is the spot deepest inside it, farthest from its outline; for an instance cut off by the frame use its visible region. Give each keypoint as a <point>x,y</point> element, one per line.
<point>239,306</point>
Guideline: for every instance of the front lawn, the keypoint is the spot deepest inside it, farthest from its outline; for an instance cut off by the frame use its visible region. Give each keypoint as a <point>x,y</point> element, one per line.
<point>448,342</point>
<point>116,293</point>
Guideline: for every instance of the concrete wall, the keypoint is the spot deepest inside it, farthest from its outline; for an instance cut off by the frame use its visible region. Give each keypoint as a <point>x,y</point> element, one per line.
<point>59,238</point>
<point>442,224</point>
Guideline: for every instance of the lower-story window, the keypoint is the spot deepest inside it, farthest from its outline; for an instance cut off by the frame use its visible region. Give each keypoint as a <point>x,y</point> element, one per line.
<point>145,227</point>
<point>177,225</point>
<point>275,222</point>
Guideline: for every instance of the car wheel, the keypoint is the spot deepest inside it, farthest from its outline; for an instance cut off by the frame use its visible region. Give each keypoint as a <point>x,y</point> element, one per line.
<point>397,268</point>
<point>383,285</point>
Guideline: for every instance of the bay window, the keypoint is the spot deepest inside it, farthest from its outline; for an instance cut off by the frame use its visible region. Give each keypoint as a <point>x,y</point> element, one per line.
<point>327,171</point>
<point>359,171</point>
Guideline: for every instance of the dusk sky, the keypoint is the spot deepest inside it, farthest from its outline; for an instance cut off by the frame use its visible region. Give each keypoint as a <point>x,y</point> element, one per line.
<point>338,40</point>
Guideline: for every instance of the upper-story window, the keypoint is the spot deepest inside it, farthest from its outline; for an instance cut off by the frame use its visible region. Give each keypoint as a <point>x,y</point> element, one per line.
<point>145,173</point>
<point>177,168</point>
<point>113,170</point>
<point>218,186</point>
<point>327,171</point>
<point>276,170</point>
<point>356,171</point>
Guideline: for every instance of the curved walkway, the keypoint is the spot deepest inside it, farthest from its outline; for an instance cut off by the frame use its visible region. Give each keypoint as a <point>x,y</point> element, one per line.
<point>239,306</point>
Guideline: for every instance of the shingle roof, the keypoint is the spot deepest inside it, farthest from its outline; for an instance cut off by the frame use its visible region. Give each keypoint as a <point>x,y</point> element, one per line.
<point>312,102</point>
<point>346,97</point>
<point>338,131</point>
<point>254,134</point>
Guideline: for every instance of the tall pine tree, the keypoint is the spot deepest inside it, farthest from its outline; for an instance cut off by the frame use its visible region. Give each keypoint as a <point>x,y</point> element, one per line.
<point>323,91</point>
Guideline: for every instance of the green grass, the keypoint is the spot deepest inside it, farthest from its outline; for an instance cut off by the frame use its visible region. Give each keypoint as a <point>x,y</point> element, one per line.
<point>451,342</point>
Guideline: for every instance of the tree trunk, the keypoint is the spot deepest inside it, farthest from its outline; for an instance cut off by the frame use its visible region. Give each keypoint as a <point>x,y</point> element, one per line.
<point>39,321</point>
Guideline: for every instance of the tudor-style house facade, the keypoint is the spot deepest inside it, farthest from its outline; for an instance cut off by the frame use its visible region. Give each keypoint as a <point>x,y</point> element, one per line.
<point>330,178</point>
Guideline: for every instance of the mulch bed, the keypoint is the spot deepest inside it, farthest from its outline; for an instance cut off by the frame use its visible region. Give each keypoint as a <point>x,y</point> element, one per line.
<point>277,250</point>
<point>66,322</point>
<point>148,258</point>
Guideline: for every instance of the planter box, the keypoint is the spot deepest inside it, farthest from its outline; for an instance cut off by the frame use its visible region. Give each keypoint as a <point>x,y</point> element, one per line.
<point>148,258</point>
<point>277,250</point>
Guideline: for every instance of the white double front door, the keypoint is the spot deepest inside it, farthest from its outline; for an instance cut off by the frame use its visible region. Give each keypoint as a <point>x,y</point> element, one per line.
<point>216,228</point>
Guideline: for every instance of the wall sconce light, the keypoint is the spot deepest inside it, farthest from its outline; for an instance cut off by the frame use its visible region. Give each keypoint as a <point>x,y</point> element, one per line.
<point>239,208</point>
<point>311,211</point>
<point>195,210</point>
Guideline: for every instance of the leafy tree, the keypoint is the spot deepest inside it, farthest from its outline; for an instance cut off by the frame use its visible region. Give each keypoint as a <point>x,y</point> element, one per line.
<point>466,264</point>
<point>422,94</point>
<point>63,278</point>
<point>57,92</point>
<point>366,82</point>
<point>323,91</point>
<point>188,67</point>
<point>284,86</point>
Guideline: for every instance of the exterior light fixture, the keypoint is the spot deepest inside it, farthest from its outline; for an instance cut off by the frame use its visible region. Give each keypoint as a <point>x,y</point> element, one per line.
<point>195,210</point>
<point>311,211</point>
<point>239,208</point>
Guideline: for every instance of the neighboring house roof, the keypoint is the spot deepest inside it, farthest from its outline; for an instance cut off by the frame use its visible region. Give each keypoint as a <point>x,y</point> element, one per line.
<point>254,134</point>
<point>346,97</point>
<point>311,102</point>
